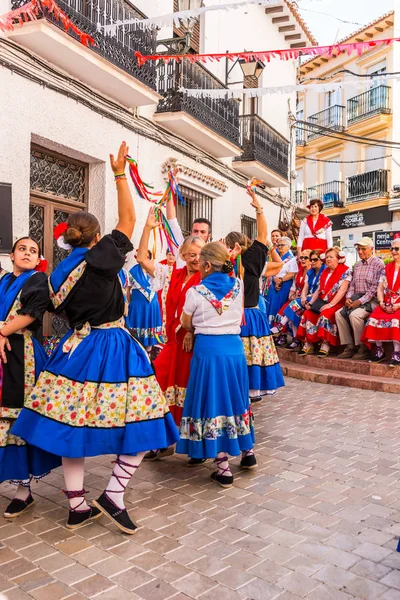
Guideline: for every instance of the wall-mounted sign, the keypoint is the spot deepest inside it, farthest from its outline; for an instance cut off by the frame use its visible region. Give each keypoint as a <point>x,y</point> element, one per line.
<point>384,239</point>
<point>5,218</point>
<point>362,218</point>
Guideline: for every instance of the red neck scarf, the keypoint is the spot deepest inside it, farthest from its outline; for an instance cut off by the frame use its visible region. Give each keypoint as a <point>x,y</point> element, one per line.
<point>326,286</point>
<point>393,284</point>
<point>300,277</point>
<point>321,223</point>
<point>176,298</point>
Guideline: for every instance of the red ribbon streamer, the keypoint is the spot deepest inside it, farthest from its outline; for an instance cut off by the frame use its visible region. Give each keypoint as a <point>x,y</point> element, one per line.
<point>36,8</point>
<point>268,55</point>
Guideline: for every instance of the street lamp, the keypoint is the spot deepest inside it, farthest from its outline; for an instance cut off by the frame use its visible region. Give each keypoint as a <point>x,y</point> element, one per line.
<point>181,45</point>
<point>250,68</point>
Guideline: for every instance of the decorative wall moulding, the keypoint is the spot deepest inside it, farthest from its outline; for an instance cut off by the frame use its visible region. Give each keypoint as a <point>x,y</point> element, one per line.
<point>195,179</point>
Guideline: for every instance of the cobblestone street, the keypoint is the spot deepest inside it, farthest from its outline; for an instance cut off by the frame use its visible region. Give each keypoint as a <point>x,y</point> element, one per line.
<point>319,519</point>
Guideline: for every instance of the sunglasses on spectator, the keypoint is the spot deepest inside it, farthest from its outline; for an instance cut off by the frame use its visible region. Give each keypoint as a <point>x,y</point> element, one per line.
<point>314,259</point>
<point>281,245</point>
<point>304,257</point>
<point>395,248</point>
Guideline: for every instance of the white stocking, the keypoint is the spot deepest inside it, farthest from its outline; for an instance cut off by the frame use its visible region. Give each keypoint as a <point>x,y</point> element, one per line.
<point>379,344</point>
<point>284,320</point>
<point>74,472</point>
<point>396,346</point>
<point>125,466</point>
<point>294,329</point>
<point>23,490</point>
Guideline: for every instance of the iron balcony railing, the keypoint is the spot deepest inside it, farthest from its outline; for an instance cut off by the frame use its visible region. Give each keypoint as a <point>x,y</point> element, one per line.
<point>374,184</point>
<point>332,118</point>
<point>301,136</point>
<point>331,193</point>
<point>219,114</point>
<point>119,49</point>
<point>262,142</point>
<point>374,101</point>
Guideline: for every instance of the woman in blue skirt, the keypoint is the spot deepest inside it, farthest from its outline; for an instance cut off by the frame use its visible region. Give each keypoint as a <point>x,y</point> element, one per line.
<point>144,316</point>
<point>279,288</point>
<point>98,393</point>
<point>265,373</point>
<point>217,419</point>
<point>24,296</point>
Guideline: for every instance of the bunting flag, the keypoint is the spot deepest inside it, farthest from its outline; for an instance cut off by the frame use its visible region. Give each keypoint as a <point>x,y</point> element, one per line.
<point>268,55</point>
<point>159,199</point>
<point>38,8</point>
<point>174,19</point>
<point>322,86</point>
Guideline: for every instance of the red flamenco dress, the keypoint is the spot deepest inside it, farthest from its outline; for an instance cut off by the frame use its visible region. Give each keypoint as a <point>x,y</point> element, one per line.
<point>382,326</point>
<point>172,366</point>
<point>322,327</point>
<point>315,236</point>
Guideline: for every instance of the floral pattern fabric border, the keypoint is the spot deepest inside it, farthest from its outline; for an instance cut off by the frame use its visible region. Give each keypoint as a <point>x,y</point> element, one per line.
<point>197,430</point>
<point>97,405</point>
<point>59,296</point>
<point>260,352</point>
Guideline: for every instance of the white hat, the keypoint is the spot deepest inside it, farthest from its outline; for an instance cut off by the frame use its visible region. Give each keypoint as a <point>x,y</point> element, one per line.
<point>365,242</point>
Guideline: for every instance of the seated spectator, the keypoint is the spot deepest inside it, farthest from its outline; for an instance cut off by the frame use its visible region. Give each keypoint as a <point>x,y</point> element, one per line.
<point>318,323</point>
<point>316,229</point>
<point>283,322</point>
<point>279,288</point>
<point>384,323</point>
<point>360,300</point>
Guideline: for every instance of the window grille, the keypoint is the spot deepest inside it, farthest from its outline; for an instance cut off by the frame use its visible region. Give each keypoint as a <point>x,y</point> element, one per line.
<point>197,205</point>
<point>248,226</point>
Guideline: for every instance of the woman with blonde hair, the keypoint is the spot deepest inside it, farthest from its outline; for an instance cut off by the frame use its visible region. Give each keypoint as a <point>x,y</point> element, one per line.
<point>318,323</point>
<point>173,363</point>
<point>265,373</point>
<point>217,419</point>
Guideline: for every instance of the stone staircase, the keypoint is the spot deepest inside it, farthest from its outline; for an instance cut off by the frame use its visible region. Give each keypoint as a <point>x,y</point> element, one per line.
<point>350,373</point>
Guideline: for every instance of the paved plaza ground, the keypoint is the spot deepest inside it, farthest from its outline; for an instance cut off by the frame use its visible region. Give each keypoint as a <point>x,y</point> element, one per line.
<point>319,519</point>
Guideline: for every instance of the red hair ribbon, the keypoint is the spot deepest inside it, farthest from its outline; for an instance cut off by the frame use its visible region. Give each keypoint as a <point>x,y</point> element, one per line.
<point>42,266</point>
<point>60,230</point>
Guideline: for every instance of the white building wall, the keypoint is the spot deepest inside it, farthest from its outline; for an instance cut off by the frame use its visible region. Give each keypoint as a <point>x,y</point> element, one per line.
<point>74,130</point>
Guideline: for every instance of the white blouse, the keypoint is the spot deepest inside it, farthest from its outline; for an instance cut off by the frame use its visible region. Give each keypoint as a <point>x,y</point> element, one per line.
<point>323,234</point>
<point>291,266</point>
<point>205,318</point>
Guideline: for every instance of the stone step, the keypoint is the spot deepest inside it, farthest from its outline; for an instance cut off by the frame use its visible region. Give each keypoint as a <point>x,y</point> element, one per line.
<point>354,380</point>
<point>333,363</point>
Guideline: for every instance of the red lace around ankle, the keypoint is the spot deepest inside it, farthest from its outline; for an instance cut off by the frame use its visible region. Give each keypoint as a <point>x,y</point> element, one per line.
<point>76,494</point>
<point>221,471</point>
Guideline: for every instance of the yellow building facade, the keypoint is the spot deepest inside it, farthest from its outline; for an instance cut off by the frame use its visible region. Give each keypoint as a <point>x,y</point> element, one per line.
<point>339,158</point>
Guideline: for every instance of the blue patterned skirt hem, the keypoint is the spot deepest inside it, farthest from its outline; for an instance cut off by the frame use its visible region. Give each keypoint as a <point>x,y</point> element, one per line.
<point>102,398</point>
<point>19,463</point>
<point>265,372</point>
<point>217,416</point>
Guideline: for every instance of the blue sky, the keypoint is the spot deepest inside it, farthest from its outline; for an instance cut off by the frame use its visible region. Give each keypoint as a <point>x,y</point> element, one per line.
<point>328,29</point>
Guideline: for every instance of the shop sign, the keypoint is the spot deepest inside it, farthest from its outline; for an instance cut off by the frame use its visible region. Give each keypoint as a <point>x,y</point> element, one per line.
<point>384,239</point>
<point>361,218</point>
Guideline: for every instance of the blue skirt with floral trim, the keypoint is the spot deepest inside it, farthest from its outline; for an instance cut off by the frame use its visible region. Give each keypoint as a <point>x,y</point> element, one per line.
<point>217,416</point>
<point>18,460</point>
<point>100,398</point>
<point>144,319</point>
<point>265,373</point>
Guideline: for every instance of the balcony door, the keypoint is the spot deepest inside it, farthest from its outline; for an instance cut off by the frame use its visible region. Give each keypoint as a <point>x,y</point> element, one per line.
<point>58,189</point>
<point>376,95</point>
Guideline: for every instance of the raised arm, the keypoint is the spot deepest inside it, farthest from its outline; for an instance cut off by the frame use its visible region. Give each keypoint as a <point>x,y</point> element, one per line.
<point>142,255</point>
<point>262,228</point>
<point>126,208</point>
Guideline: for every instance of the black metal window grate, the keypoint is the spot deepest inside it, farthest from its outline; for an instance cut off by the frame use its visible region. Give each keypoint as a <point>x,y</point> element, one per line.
<point>197,205</point>
<point>248,226</point>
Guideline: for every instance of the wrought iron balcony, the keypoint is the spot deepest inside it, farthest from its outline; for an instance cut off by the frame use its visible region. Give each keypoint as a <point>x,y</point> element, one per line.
<point>263,143</point>
<point>119,49</point>
<point>219,114</point>
<point>331,193</point>
<point>374,101</point>
<point>374,184</point>
<point>332,117</point>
